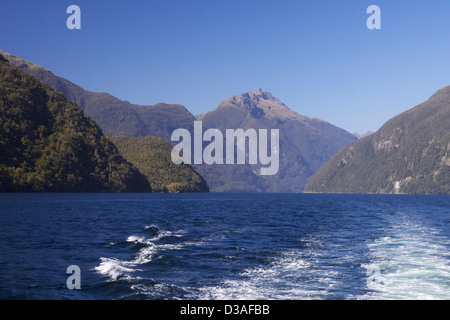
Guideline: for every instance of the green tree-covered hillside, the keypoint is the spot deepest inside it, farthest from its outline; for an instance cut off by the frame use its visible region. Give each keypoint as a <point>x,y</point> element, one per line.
<point>47,145</point>
<point>152,156</point>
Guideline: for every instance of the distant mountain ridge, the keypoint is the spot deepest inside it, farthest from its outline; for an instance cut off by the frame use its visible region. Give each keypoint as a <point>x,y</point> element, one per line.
<point>409,154</point>
<point>114,116</point>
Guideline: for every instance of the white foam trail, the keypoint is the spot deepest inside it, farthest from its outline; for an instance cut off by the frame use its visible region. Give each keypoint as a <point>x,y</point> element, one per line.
<point>287,278</point>
<point>115,268</point>
<point>135,239</point>
<point>171,246</point>
<point>410,264</point>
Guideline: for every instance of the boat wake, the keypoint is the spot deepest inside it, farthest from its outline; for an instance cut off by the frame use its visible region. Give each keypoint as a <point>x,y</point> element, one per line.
<point>146,247</point>
<point>412,263</point>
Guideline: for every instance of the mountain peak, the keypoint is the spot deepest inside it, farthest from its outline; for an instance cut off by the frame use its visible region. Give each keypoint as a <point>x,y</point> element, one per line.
<point>260,104</point>
<point>266,95</point>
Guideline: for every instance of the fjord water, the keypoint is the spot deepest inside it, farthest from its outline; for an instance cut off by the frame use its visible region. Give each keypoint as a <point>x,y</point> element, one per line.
<point>225,246</point>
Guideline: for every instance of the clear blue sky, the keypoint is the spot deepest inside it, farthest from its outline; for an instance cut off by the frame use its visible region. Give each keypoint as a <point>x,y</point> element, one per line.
<point>317,56</point>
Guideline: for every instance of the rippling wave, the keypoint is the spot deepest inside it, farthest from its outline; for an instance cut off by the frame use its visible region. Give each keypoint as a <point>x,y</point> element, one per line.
<point>225,246</point>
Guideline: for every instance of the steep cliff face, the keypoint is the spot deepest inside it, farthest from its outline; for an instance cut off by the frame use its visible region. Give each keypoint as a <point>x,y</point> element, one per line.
<point>409,154</point>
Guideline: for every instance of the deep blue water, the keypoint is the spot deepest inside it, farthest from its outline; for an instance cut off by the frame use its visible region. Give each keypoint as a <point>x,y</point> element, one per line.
<point>225,246</point>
